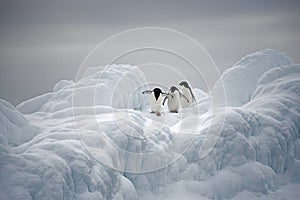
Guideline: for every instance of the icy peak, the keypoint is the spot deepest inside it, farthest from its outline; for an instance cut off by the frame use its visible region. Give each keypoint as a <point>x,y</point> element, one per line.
<point>241,79</point>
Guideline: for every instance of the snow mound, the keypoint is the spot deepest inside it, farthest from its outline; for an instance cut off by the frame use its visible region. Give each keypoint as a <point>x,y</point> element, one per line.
<point>240,80</point>
<point>75,143</point>
<point>15,129</point>
<point>118,86</point>
<point>53,164</point>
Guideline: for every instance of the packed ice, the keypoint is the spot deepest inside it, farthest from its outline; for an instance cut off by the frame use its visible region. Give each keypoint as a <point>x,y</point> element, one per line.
<point>94,138</point>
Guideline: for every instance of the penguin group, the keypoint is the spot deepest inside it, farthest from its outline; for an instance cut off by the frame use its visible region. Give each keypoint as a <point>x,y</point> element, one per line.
<point>177,98</point>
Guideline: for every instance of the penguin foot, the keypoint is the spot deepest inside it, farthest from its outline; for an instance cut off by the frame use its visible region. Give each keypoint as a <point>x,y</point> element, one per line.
<point>157,113</point>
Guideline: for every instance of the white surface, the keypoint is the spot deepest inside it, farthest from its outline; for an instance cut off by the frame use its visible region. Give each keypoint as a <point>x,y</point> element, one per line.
<point>257,155</point>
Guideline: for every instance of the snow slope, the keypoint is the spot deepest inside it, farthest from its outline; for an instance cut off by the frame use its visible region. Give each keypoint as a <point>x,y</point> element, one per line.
<point>75,143</point>
<point>240,81</point>
<point>115,86</point>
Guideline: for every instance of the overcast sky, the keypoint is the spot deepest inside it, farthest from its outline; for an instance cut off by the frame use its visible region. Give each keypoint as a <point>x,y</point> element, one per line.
<point>42,42</point>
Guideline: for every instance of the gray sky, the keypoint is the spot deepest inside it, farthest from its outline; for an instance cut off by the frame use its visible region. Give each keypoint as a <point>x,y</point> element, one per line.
<point>42,42</point>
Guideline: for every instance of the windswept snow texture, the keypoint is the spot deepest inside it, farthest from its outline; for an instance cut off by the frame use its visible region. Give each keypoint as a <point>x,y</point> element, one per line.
<point>75,143</point>
<point>116,86</point>
<point>240,81</point>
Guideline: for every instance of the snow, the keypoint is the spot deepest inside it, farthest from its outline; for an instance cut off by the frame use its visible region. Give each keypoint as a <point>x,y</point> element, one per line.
<point>241,79</point>
<point>15,128</point>
<point>123,84</point>
<point>75,143</point>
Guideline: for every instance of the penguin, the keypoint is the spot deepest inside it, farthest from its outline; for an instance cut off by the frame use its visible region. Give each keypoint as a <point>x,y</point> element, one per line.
<point>174,99</point>
<point>156,96</point>
<point>187,92</point>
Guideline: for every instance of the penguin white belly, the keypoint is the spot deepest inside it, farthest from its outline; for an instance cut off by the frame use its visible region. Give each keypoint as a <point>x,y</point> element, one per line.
<point>174,103</point>
<point>155,104</point>
<point>186,92</point>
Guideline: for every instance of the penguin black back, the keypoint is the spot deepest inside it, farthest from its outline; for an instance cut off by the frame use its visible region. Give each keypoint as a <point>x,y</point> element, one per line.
<point>157,92</point>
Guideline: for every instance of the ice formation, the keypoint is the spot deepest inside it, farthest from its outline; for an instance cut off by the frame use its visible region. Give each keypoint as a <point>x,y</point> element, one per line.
<point>69,144</point>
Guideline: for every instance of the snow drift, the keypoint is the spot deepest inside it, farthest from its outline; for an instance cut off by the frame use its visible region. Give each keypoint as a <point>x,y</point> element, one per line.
<point>240,81</point>
<point>75,143</point>
<point>118,86</point>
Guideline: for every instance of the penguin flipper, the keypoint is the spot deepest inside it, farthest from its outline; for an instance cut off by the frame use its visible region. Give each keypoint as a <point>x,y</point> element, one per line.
<point>181,95</point>
<point>147,92</point>
<point>164,100</point>
<point>193,97</point>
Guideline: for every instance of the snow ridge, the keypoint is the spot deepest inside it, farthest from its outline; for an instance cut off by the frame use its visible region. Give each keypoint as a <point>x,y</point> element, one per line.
<point>241,79</point>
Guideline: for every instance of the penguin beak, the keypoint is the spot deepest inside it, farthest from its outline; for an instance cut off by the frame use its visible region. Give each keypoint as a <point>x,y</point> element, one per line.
<point>147,92</point>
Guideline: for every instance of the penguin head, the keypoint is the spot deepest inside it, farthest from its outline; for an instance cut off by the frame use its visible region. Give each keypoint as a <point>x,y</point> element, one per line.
<point>184,84</point>
<point>173,89</point>
<point>157,92</point>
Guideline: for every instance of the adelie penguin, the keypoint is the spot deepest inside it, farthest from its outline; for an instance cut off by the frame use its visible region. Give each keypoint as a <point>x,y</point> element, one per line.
<point>156,96</point>
<point>187,92</point>
<point>174,99</point>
